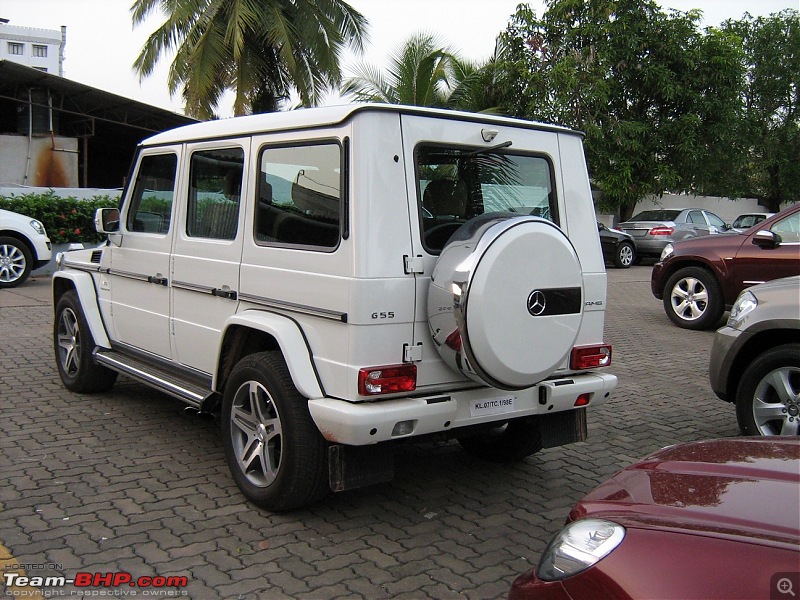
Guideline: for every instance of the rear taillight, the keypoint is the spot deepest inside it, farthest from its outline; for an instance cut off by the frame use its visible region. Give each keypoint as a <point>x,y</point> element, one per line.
<point>590,357</point>
<point>389,379</point>
<point>662,231</point>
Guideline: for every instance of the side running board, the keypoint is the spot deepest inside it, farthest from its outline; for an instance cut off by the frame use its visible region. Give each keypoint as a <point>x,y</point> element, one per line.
<point>193,395</point>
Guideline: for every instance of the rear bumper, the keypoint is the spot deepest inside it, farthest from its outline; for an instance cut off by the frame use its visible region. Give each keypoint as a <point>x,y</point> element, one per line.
<point>361,423</point>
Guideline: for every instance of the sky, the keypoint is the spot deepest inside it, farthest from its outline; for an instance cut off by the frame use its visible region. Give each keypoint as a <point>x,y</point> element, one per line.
<point>102,43</point>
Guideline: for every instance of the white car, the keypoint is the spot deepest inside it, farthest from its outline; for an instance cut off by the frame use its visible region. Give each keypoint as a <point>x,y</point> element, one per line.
<point>747,220</point>
<point>333,281</point>
<point>24,247</point>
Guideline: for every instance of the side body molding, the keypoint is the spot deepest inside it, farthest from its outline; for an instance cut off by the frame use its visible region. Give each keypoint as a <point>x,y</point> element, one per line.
<point>83,283</point>
<point>292,343</point>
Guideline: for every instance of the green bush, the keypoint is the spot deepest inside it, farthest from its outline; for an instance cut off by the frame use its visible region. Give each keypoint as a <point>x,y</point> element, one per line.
<point>66,219</point>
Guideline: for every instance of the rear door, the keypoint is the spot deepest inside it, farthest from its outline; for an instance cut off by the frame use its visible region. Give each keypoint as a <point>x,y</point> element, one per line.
<point>208,249</point>
<point>448,183</point>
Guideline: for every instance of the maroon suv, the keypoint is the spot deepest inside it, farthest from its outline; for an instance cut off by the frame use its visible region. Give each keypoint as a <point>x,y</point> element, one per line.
<point>698,279</point>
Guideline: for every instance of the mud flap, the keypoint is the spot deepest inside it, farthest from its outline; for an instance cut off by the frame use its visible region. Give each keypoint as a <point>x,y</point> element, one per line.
<point>351,467</point>
<point>564,427</point>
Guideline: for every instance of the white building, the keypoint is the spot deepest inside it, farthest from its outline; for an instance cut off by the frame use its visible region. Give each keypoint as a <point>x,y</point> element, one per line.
<point>42,49</point>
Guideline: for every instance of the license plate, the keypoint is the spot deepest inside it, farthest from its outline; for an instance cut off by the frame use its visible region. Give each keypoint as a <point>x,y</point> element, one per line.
<point>492,406</point>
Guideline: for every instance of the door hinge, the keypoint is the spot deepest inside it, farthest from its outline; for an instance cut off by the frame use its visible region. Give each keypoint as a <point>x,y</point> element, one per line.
<point>413,264</point>
<point>412,353</point>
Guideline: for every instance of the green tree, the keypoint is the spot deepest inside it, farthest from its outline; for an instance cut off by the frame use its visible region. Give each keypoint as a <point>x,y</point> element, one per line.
<point>656,96</point>
<point>769,165</point>
<point>420,73</point>
<point>260,49</point>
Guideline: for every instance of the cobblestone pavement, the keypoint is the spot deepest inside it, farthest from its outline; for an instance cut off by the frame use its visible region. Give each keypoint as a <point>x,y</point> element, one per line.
<point>126,481</point>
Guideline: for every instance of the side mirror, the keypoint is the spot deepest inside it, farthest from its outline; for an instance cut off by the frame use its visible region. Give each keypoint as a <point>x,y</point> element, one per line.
<point>766,239</point>
<point>106,220</point>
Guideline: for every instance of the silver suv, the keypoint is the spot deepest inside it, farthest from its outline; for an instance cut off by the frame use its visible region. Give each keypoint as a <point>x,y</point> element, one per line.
<point>333,281</point>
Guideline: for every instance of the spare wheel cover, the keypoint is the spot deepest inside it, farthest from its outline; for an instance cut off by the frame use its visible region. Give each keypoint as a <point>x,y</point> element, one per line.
<point>506,300</point>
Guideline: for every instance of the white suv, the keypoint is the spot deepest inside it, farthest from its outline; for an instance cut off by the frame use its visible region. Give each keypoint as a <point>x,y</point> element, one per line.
<point>333,281</point>
<point>24,247</point>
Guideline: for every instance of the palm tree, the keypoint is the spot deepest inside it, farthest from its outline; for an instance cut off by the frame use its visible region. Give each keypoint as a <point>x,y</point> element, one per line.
<point>419,74</point>
<point>424,73</point>
<point>261,49</point>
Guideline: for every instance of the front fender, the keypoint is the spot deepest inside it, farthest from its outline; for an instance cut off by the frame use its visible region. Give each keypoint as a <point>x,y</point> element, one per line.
<point>83,284</point>
<point>291,341</point>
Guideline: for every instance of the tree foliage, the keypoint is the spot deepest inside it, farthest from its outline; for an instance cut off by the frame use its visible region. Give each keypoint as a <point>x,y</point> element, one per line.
<point>656,97</point>
<point>769,165</point>
<point>261,49</point>
<point>419,74</point>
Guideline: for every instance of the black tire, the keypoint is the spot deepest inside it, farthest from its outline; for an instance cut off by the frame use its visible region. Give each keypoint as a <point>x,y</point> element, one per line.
<point>275,452</point>
<point>16,262</point>
<point>508,442</point>
<point>73,345</point>
<point>768,396</point>
<point>625,255</point>
<point>693,299</point>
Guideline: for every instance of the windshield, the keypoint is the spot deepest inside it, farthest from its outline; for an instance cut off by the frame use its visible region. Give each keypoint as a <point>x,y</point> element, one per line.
<point>455,185</point>
<point>656,215</point>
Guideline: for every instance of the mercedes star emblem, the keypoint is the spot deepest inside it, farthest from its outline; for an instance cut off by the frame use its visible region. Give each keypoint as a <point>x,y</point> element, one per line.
<point>536,303</point>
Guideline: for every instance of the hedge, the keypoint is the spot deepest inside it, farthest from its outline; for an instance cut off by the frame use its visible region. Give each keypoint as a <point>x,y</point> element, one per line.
<point>66,219</point>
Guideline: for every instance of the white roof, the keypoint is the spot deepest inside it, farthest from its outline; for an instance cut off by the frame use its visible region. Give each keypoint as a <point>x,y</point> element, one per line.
<point>321,117</point>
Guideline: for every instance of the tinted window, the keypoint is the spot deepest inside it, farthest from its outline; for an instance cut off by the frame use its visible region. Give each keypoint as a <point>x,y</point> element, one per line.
<point>300,196</point>
<point>214,193</point>
<point>455,185</point>
<point>715,220</point>
<point>696,217</point>
<point>656,215</point>
<point>151,201</point>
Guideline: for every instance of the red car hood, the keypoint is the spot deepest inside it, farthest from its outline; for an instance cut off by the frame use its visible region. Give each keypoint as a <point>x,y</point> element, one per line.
<point>739,488</point>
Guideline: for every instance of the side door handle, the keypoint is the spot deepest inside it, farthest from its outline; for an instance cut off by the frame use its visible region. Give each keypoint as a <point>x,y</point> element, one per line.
<point>224,293</point>
<point>158,279</point>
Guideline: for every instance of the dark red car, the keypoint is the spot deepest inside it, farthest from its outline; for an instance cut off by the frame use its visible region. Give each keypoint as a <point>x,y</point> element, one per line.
<point>715,519</point>
<point>698,279</point>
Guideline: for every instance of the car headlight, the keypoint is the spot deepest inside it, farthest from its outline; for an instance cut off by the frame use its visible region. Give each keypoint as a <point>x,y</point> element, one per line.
<point>577,547</point>
<point>744,305</point>
<point>668,249</point>
<point>38,227</point>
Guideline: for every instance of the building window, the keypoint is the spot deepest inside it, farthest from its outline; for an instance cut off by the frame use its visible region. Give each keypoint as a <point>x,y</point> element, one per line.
<point>39,51</point>
<point>16,48</point>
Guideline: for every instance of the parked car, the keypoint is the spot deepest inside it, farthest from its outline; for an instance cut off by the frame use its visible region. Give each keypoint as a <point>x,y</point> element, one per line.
<point>618,246</point>
<point>755,358</point>
<point>24,247</point>
<point>748,220</point>
<point>711,519</point>
<point>252,271</point>
<point>654,229</point>
<point>699,279</point>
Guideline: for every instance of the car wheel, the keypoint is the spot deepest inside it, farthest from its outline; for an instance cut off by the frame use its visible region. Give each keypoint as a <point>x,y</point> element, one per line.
<point>692,299</point>
<point>624,256</point>
<point>15,262</point>
<point>73,345</point>
<point>768,396</point>
<point>275,452</point>
<point>507,442</point>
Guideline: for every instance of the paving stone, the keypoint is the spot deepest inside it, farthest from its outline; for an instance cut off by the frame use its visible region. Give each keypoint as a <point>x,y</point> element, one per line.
<point>128,465</point>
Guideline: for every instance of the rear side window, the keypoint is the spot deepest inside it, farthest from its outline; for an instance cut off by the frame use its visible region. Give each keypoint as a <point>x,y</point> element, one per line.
<point>215,191</point>
<point>300,196</point>
<point>455,184</point>
<point>153,193</point>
